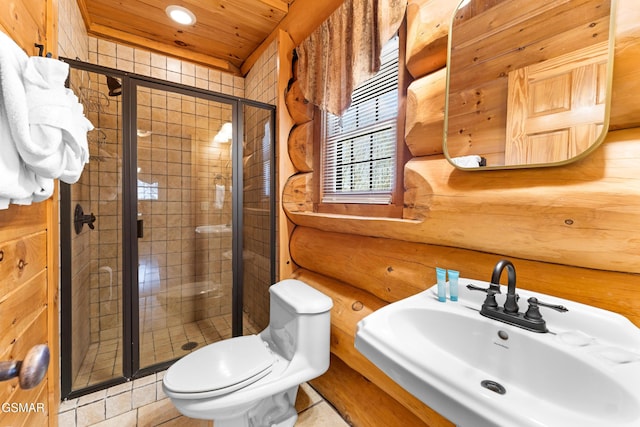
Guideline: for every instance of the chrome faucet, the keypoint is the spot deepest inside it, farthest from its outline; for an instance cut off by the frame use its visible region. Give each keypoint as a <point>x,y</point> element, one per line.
<point>531,320</point>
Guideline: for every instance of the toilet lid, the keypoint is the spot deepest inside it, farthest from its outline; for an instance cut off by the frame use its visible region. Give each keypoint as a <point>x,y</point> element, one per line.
<point>229,364</point>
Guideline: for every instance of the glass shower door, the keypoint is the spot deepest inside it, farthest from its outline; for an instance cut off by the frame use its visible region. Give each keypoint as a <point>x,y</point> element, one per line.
<point>258,211</point>
<point>184,222</point>
<point>91,243</point>
<point>176,259</point>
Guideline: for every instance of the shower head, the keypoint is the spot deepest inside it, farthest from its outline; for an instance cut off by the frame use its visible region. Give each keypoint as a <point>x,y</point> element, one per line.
<point>115,88</point>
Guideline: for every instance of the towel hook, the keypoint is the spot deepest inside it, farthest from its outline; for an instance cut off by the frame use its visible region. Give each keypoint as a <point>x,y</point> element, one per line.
<point>41,50</point>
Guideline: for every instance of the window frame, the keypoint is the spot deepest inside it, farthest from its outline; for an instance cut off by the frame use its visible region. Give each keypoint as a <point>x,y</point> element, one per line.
<point>395,208</point>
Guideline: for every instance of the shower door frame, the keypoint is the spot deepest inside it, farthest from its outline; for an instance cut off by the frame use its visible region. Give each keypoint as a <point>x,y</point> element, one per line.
<point>130,304</point>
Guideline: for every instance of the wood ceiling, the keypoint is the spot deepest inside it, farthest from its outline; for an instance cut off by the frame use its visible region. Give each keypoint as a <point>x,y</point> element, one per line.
<point>224,36</point>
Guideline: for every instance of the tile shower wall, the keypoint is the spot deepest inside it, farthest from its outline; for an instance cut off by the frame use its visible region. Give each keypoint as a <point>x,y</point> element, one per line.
<point>97,283</point>
<point>146,63</point>
<point>261,83</point>
<point>185,269</point>
<point>80,277</point>
<point>176,153</point>
<point>72,43</point>
<point>96,266</point>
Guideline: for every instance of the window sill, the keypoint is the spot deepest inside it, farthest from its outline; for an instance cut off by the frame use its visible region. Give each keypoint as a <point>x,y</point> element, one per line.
<point>402,229</point>
<point>357,209</point>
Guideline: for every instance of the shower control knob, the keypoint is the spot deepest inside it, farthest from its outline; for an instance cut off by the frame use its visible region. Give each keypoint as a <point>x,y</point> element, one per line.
<point>79,219</point>
<point>29,371</point>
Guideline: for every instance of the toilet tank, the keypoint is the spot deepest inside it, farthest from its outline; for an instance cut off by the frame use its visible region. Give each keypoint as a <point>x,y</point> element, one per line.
<point>300,320</point>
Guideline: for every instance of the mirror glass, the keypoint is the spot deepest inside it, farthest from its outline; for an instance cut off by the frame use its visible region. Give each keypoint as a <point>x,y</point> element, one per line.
<point>528,82</point>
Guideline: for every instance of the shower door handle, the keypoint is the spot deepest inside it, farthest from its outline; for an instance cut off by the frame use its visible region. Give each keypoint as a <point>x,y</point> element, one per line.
<point>140,228</point>
<point>29,371</point>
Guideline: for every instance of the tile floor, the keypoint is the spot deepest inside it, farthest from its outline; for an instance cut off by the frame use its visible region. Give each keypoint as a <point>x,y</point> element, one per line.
<point>103,360</point>
<point>142,403</point>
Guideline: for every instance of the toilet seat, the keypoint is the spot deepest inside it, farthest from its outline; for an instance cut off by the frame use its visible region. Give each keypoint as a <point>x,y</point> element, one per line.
<point>220,368</point>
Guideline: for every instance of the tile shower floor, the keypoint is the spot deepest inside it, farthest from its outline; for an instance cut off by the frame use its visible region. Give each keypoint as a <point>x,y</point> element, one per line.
<point>103,360</point>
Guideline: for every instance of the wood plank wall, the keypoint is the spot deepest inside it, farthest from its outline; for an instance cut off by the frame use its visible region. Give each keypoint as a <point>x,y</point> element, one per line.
<point>29,252</point>
<point>571,231</point>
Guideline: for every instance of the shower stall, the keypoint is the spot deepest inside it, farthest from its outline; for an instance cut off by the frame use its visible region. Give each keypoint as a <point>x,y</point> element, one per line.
<point>160,252</point>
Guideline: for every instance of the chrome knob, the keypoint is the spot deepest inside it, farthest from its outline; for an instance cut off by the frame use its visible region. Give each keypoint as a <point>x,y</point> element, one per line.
<point>29,371</point>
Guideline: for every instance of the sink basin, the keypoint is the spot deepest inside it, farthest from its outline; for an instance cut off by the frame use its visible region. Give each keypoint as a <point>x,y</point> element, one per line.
<point>214,229</point>
<point>480,372</point>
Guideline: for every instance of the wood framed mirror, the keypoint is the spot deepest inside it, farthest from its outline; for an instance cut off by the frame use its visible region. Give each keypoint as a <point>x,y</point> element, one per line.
<point>528,82</point>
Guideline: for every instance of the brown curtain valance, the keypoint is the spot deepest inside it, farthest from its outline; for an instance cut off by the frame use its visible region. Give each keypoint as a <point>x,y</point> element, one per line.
<point>344,51</point>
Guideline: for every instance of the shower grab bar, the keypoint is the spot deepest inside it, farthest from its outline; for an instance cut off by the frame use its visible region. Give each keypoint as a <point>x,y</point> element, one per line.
<point>29,371</point>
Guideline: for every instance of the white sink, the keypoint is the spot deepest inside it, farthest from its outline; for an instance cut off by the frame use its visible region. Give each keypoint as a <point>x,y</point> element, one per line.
<point>584,372</point>
<point>214,229</point>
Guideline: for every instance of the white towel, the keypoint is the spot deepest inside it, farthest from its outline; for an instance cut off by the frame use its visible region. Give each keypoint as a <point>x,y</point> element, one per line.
<point>18,184</point>
<point>42,126</point>
<point>219,202</point>
<point>58,145</point>
<point>472,161</point>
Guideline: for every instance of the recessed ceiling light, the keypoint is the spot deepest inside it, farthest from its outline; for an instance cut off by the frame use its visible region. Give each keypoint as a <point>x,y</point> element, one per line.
<point>181,15</point>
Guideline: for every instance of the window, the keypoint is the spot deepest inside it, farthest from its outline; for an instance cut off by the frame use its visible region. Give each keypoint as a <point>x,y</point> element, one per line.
<point>147,191</point>
<point>266,160</point>
<point>359,150</point>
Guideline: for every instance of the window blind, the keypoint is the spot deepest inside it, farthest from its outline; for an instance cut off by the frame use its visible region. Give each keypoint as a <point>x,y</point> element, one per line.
<point>359,150</point>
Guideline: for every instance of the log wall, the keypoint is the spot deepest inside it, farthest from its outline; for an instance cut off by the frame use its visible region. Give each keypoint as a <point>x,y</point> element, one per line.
<point>571,231</point>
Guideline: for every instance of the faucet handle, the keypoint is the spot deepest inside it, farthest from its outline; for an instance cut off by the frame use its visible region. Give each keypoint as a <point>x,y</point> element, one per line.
<point>495,290</point>
<point>533,312</point>
<point>560,308</point>
<point>490,301</point>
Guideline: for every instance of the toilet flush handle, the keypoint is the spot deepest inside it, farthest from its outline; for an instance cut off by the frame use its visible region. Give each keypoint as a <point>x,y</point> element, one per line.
<point>29,371</point>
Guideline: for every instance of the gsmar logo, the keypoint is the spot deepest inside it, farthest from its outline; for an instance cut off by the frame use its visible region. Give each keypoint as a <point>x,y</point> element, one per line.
<point>15,407</point>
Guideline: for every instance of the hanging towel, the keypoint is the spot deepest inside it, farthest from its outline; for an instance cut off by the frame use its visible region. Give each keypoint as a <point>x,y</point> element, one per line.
<point>219,202</point>
<point>18,183</point>
<point>58,128</point>
<point>42,126</point>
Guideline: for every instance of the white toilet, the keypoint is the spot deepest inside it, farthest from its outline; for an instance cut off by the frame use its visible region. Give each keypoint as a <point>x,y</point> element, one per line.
<point>252,381</point>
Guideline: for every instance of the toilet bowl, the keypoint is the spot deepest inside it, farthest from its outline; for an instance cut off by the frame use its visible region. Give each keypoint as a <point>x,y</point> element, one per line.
<point>252,381</point>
